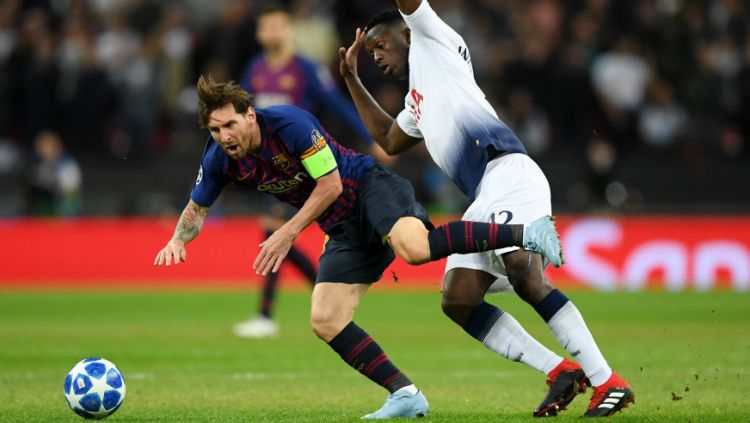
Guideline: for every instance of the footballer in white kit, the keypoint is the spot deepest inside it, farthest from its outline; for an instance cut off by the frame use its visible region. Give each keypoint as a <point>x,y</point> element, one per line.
<point>462,132</point>
<point>446,109</point>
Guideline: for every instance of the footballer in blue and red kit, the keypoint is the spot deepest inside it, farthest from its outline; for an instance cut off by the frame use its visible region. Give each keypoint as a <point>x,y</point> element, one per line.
<point>366,211</point>
<point>300,82</point>
<point>296,150</point>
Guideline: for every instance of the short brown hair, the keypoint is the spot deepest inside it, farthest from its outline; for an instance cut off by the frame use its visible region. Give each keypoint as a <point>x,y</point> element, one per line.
<point>270,7</point>
<point>214,95</point>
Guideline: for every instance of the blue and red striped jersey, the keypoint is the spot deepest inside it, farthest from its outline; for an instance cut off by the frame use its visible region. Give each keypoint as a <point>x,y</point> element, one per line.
<point>287,133</point>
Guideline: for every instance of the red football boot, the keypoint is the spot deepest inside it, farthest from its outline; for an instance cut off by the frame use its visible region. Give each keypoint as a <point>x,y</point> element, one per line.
<point>565,382</point>
<point>610,397</point>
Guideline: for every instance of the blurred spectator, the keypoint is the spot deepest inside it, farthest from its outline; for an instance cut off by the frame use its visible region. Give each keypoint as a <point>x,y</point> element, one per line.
<point>129,63</point>
<point>39,75</point>
<point>744,96</point>
<point>115,77</point>
<point>601,159</point>
<point>117,46</point>
<point>314,30</point>
<point>703,102</point>
<point>175,42</point>
<point>662,120</point>
<point>87,94</point>
<point>528,122</point>
<point>229,37</point>
<point>620,77</point>
<point>8,45</point>
<point>10,158</point>
<point>54,179</point>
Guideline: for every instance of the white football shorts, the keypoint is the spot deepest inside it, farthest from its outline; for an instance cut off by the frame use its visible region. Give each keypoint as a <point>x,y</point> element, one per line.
<point>512,190</point>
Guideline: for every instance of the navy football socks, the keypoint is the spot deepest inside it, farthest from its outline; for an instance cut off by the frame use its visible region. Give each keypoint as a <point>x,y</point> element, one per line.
<point>551,304</point>
<point>464,237</point>
<point>361,352</point>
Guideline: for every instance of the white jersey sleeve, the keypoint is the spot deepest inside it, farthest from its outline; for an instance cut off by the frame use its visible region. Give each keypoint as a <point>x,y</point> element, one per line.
<point>407,124</point>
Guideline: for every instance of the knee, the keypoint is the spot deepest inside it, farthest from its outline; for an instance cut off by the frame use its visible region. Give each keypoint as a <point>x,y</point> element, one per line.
<point>459,309</point>
<point>519,273</point>
<point>408,238</point>
<point>412,253</point>
<point>528,282</point>
<point>325,324</point>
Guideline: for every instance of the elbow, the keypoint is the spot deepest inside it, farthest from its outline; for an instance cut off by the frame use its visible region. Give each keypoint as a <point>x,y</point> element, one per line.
<point>388,147</point>
<point>391,151</point>
<point>336,188</point>
<point>329,187</point>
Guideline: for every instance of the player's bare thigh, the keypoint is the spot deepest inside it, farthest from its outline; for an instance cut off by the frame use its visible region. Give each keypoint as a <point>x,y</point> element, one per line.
<point>333,305</point>
<point>463,290</point>
<point>408,238</point>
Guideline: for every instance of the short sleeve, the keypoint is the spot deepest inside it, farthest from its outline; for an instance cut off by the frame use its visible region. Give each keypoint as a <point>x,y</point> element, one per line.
<point>308,141</point>
<point>408,125</point>
<point>209,183</point>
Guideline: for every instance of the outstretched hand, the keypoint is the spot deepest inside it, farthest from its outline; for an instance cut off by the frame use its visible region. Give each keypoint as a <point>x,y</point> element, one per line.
<point>174,251</point>
<point>348,57</point>
<point>273,251</point>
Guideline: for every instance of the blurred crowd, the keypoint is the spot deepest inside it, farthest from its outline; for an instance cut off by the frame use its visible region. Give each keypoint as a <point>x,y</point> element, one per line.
<point>600,83</point>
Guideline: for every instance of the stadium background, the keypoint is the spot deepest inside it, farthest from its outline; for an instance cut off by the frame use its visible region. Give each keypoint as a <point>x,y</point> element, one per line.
<point>634,109</point>
<point>638,111</point>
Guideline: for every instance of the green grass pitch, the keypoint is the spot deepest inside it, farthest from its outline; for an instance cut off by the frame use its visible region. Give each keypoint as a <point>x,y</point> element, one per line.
<point>687,356</point>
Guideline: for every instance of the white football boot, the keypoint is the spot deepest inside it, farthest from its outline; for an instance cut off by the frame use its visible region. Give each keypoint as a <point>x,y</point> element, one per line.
<point>257,327</point>
<point>401,404</point>
<point>540,236</point>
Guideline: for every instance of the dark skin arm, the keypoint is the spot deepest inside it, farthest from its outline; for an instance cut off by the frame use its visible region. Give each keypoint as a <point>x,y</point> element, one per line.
<point>408,7</point>
<point>276,247</point>
<point>382,127</point>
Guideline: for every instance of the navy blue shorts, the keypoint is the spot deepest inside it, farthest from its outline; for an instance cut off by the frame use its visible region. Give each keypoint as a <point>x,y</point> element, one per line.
<point>356,251</point>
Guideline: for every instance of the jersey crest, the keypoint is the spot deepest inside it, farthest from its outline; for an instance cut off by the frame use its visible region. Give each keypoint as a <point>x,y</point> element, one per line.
<point>280,161</point>
<point>287,82</point>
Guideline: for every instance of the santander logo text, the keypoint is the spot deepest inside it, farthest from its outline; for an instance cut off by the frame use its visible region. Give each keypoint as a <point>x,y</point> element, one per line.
<point>659,252</point>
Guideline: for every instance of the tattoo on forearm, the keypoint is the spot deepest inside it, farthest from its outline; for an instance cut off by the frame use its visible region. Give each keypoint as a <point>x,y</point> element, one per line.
<point>190,224</point>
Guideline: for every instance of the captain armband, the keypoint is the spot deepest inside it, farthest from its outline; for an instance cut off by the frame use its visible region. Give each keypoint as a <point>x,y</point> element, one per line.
<point>320,163</point>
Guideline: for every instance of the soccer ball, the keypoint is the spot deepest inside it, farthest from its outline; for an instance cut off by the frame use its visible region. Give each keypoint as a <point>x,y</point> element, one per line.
<point>94,388</point>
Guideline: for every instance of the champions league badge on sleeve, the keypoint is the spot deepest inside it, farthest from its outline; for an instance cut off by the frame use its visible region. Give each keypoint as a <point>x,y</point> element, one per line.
<point>200,176</point>
<point>318,141</point>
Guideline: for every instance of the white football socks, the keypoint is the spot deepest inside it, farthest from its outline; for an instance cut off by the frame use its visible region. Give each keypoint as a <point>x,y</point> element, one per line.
<point>573,334</point>
<point>410,389</point>
<point>509,339</point>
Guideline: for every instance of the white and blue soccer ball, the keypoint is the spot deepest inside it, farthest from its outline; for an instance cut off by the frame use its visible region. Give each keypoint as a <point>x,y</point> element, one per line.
<point>94,388</point>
